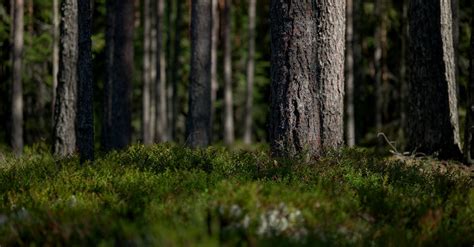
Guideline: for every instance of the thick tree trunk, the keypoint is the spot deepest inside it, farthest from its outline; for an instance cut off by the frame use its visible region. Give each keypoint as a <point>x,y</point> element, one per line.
<point>55,53</point>
<point>176,68</point>
<point>432,119</point>
<point>160,83</point>
<point>17,87</point>
<point>120,28</point>
<point>214,46</point>
<point>295,124</point>
<point>228,97</point>
<point>146,90</point>
<point>66,99</point>
<point>85,109</point>
<point>330,46</point>
<point>469,131</point>
<point>350,122</point>
<point>248,117</point>
<point>199,116</point>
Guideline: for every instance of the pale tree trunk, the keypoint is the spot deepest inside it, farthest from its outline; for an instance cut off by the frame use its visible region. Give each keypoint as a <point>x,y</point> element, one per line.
<point>199,117</point>
<point>55,52</point>
<point>146,90</point>
<point>469,131</point>
<point>432,116</point>
<point>176,68</point>
<point>120,28</point>
<point>228,97</point>
<point>350,122</point>
<point>330,45</point>
<point>160,83</point>
<point>248,114</point>
<point>153,70</point>
<point>17,87</point>
<point>85,95</point>
<point>214,45</point>
<point>66,99</point>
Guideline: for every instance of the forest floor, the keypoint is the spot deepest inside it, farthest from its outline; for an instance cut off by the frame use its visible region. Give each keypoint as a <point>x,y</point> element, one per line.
<point>166,195</point>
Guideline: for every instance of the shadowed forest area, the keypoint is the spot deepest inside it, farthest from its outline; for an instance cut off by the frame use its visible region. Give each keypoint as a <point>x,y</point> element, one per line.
<point>236,122</point>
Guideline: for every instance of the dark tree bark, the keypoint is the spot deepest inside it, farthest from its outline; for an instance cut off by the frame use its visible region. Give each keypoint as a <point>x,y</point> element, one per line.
<point>85,109</point>
<point>160,83</point>
<point>380,33</point>
<point>55,57</point>
<point>469,131</point>
<point>66,99</point>
<point>228,97</point>
<point>294,117</point>
<point>350,120</point>
<point>432,119</point>
<point>248,117</point>
<point>330,46</point>
<point>17,86</point>
<point>403,70</point>
<point>199,116</point>
<point>176,68</point>
<point>120,27</point>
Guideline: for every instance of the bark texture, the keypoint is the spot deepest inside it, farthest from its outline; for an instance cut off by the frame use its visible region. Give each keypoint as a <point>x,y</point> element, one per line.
<point>85,109</point>
<point>228,97</point>
<point>248,117</point>
<point>350,120</point>
<point>120,28</point>
<point>295,122</point>
<point>469,132</point>
<point>432,119</point>
<point>199,116</point>
<point>17,84</point>
<point>66,99</point>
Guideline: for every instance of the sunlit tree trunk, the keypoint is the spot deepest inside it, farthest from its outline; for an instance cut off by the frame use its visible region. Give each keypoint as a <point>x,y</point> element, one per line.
<point>228,97</point>
<point>248,117</point>
<point>17,87</point>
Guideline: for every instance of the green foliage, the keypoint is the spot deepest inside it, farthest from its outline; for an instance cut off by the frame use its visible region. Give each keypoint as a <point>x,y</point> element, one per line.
<point>168,195</point>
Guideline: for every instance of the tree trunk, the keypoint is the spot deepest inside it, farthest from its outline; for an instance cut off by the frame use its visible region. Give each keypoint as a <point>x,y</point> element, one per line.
<point>55,52</point>
<point>176,68</point>
<point>120,28</point>
<point>85,109</point>
<point>469,131</point>
<point>66,99</point>
<point>330,46</point>
<point>214,46</point>
<point>146,90</point>
<point>160,83</point>
<point>432,119</point>
<point>350,122</point>
<point>228,98</point>
<point>169,55</point>
<point>17,87</point>
<point>378,64</point>
<point>403,70</point>
<point>248,116</point>
<point>199,116</point>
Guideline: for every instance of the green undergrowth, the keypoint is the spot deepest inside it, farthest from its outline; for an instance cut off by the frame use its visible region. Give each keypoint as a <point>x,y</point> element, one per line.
<point>167,195</point>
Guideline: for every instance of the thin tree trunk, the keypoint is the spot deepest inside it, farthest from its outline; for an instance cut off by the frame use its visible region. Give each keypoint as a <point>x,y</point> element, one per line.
<point>350,122</point>
<point>169,55</point>
<point>176,68</point>
<point>248,114</point>
<point>469,131</point>
<point>120,27</point>
<point>160,85</point>
<point>403,69</point>
<point>228,97</point>
<point>432,119</point>
<point>55,52</point>
<point>330,44</point>
<point>378,64</point>
<point>146,92</point>
<point>66,99</point>
<point>17,87</point>
<point>295,125</point>
<point>199,116</point>
<point>85,91</point>
<point>214,45</point>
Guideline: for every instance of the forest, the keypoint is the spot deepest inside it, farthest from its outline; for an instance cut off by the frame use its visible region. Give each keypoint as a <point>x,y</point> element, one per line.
<point>236,122</point>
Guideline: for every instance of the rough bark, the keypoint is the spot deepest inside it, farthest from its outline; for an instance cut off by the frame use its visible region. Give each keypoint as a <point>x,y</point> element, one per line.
<point>248,117</point>
<point>120,28</point>
<point>350,122</point>
<point>85,87</point>
<point>330,46</point>
<point>160,83</point>
<point>17,87</point>
<point>469,131</point>
<point>214,45</point>
<point>432,119</point>
<point>228,97</point>
<point>199,116</point>
<point>146,90</point>
<point>295,123</point>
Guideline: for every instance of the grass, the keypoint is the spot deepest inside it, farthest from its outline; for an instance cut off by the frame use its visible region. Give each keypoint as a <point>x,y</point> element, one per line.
<point>168,195</point>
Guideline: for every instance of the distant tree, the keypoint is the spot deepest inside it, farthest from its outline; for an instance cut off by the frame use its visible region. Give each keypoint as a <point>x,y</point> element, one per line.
<point>199,115</point>
<point>116,131</point>
<point>469,131</point>
<point>350,121</point>
<point>17,85</point>
<point>228,97</point>
<point>248,118</point>
<point>214,46</point>
<point>160,83</point>
<point>379,60</point>
<point>432,116</point>
<point>55,58</point>
<point>147,73</point>
<point>176,68</point>
<point>66,98</point>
